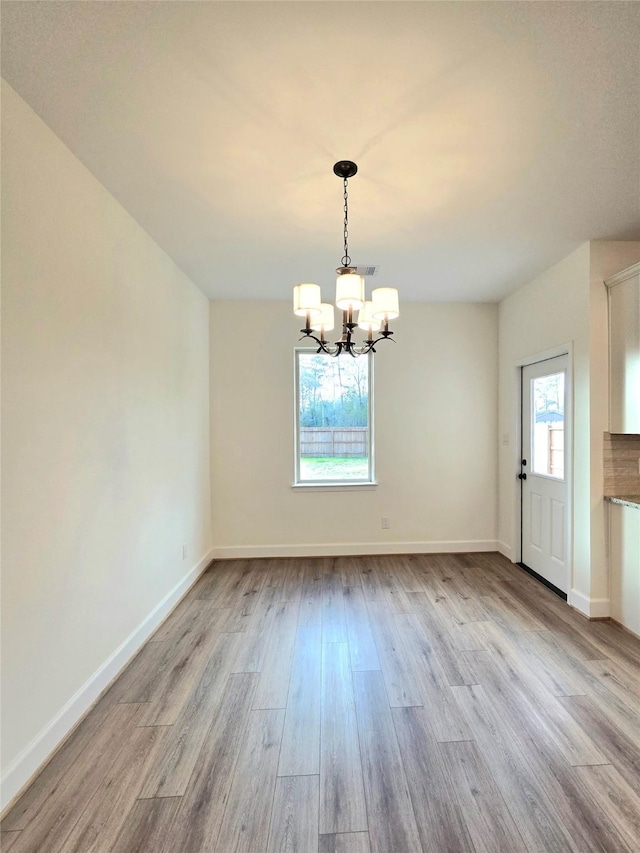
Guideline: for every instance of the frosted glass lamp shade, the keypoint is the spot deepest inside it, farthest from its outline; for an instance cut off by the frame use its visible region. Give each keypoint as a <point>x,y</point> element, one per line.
<point>306,300</point>
<point>350,291</point>
<point>366,320</point>
<point>325,321</point>
<point>385,303</point>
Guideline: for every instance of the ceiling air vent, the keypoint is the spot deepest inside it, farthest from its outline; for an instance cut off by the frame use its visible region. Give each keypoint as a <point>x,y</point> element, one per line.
<point>366,269</point>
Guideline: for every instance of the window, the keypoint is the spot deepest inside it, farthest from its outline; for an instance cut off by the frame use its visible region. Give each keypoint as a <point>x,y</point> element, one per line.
<point>333,406</point>
<point>547,410</point>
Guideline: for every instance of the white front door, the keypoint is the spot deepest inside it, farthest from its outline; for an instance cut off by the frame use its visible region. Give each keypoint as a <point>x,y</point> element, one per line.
<point>545,414</point>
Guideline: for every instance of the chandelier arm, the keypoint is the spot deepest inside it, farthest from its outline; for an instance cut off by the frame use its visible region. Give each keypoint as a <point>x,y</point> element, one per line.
<point>384,337</point>
<point>321,344</point>
<point>366,348</point>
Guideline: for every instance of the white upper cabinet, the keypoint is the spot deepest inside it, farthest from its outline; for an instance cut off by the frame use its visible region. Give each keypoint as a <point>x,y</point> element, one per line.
<point>624,351</point>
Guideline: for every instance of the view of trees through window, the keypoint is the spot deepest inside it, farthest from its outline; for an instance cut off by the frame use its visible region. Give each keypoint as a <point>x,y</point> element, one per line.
<point>333,417</point>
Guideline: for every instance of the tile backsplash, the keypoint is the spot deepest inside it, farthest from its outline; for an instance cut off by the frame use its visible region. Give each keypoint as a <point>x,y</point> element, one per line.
<point>621,455</point>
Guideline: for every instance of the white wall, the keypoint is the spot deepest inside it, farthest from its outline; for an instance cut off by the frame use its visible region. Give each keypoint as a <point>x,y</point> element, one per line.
<point>105,427</point>
<point>435,428</point>
<point>551,311</point>
<point>565,305</point>
<point>606,259</point>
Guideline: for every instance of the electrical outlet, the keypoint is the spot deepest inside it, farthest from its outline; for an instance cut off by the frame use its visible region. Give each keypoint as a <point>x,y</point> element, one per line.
<point>385,522</point>
<point>505,438</point>
<point>184,552</point>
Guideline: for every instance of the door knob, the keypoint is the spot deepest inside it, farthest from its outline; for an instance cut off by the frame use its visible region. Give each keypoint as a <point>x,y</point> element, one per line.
<point>522,476</point>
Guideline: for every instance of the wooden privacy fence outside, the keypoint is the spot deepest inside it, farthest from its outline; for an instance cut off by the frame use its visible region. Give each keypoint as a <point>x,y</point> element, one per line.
<point>556,450</point>
<point>334,441</point>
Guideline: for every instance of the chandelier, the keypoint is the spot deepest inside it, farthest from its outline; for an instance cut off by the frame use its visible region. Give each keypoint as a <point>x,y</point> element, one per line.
<point>373,315</point>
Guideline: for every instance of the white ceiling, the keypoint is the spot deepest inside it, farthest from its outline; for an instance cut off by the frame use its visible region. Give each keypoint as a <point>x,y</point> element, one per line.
<point>492,138</point>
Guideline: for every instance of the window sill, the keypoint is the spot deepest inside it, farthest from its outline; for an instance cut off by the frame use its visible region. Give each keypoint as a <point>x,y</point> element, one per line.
<point>334,487</point>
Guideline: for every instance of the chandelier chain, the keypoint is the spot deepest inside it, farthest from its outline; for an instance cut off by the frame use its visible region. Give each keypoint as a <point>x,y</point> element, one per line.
<point>346,260</point>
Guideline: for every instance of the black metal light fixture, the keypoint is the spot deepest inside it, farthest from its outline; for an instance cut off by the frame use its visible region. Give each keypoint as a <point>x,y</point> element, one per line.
<point>373,315</point>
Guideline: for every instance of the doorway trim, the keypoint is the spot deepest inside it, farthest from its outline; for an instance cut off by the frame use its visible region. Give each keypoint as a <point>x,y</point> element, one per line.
<point>516,447</point>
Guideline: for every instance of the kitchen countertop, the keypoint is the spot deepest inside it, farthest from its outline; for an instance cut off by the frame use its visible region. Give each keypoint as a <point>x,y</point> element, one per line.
<point>627,500</point>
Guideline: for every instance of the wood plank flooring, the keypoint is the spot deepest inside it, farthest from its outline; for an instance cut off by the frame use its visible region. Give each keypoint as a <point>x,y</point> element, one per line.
<point>442,703</point>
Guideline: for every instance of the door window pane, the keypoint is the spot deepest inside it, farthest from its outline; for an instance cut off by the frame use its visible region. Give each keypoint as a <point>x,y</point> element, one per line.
<point>333,419</point>
<point>547,429</point>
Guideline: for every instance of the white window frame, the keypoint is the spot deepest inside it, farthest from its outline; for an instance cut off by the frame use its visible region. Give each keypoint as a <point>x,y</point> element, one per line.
<point>364,483</point>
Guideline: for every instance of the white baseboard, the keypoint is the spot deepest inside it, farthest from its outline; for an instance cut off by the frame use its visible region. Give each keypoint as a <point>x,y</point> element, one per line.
<point>351,549</point>
<point>594,608</point>
<point>45,743</point>
<point>504,549</point>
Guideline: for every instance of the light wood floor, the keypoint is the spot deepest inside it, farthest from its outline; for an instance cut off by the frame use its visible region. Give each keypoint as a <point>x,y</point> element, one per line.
<point>436,703</point>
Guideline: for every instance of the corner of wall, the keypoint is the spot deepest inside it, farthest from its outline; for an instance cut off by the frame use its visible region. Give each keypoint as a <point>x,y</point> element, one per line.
<point>505,549</point>
<point>592,608</point>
